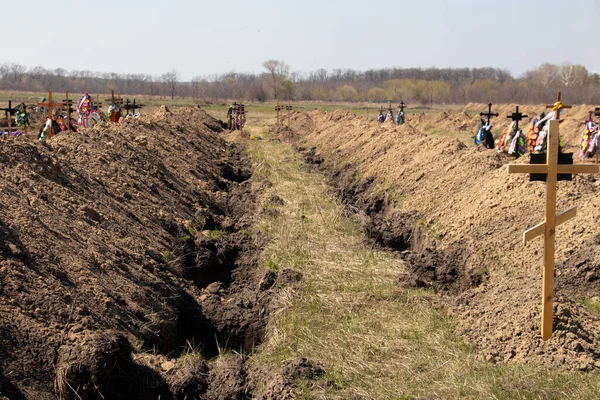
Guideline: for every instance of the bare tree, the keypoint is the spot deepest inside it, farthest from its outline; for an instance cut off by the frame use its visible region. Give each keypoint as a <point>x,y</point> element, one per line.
<point>278,72</point>
<point>171,79</point>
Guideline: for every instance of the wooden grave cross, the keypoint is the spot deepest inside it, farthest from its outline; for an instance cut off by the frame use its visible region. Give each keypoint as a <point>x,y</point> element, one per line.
<point>402,105</point>
<point>67,106</point>
<point>9,112</point>
<point>556,107</point>
<point>50,106</point>
<point>516,116</point>
<point>289,116</point>
<point>548,227</point>
<point>278,109</point>
<point>242,112</point>
<point>490,114</point>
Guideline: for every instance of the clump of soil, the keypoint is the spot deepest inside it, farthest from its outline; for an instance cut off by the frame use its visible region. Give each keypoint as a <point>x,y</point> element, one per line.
<point>458,218</point>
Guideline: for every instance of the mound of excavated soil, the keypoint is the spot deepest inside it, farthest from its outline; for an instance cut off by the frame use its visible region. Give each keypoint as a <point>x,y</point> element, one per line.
<point>458,218</point>
<point>468,120</point>
<point>121,251</point>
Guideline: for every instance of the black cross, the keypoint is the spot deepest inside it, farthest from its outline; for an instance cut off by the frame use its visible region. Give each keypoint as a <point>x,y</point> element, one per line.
<point>402,105</point>
<point>516,116</point>
<point>489,114</point>
<point>390,109</point>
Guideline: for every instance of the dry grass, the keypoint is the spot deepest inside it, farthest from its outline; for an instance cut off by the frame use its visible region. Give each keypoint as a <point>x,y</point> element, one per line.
<point>375,339</point>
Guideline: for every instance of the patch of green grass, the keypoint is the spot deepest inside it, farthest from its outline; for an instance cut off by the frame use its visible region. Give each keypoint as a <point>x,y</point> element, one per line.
<point>591,304</point>
<point>214,234</point>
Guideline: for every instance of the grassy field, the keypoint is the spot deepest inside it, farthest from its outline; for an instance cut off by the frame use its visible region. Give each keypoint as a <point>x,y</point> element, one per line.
<point>375,339</point>
<point>219,109</point>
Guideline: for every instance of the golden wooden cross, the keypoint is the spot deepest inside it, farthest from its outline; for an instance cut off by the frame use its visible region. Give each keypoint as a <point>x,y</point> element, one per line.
<point>50,106</point>
<point>548,227</point>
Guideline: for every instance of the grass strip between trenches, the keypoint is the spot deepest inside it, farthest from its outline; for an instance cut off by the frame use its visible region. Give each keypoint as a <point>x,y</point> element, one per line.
<point>375,339</point>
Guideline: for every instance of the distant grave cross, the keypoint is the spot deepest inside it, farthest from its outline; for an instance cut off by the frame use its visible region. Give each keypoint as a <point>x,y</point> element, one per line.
<point>402,105</point>
<point>289,116</point>
<point>50,106</point>
<point>489,114</point>
<point>548,227</point>
<point>9,112</point>
<point>68,108</point>
<point>517,116</point>
<point>278,109</point>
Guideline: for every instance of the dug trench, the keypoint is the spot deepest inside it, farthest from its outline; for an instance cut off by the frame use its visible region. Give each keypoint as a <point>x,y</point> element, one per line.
<point>128,266</point>
<point>443,270</point>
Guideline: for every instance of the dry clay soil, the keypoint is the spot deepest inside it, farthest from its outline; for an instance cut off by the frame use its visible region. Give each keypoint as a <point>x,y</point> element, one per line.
<point>457,217</point>
<point>125,259</point>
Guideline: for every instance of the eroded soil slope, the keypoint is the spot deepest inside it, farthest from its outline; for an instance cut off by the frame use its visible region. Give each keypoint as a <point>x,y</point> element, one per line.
<point>124,262</point>
<point>458,218</point>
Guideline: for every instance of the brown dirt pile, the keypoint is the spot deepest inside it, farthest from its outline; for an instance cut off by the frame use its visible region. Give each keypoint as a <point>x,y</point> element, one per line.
<point>468,120</point>
<point>458,218</point>
<point>124,263</point>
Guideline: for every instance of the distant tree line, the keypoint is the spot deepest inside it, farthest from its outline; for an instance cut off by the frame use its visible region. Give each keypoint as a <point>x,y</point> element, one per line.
<point>415,85</point>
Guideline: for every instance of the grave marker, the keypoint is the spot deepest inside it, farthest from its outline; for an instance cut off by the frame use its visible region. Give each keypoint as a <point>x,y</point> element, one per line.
<point>9,112</point>
<point>490,114</point>
<point>516,116</point>
<point>289,116</point>
<point>50,106</point>
<point>548,228</point>
<point>67,107</point>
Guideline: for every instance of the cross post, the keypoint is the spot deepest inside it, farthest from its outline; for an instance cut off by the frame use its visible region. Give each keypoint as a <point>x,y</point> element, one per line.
<point>50,106</point>
<point>289,116</point>
<point>548,227</point>
<point>489,114</point>
<point>68,108</point>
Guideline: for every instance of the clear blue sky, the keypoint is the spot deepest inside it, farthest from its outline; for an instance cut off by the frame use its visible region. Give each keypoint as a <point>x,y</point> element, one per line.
<point>204,37</point>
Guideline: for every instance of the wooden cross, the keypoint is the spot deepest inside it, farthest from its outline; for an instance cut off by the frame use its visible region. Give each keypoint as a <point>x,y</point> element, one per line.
<point>390,108</point>
<point>489,114</point>
<point>278,109</point>
<point>132,106</point>
<point>548,227</point>
<point>242,112</point>
<point>115,100</point>
<point>50,106</point>
<point>556,107</point>
<point>9,112</point>
<point>516,116</point>
<point>67,106</point>
<point>289,116</point>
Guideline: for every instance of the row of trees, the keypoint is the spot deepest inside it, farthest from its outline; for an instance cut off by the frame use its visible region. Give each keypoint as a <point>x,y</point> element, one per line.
<point>415,85</point>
